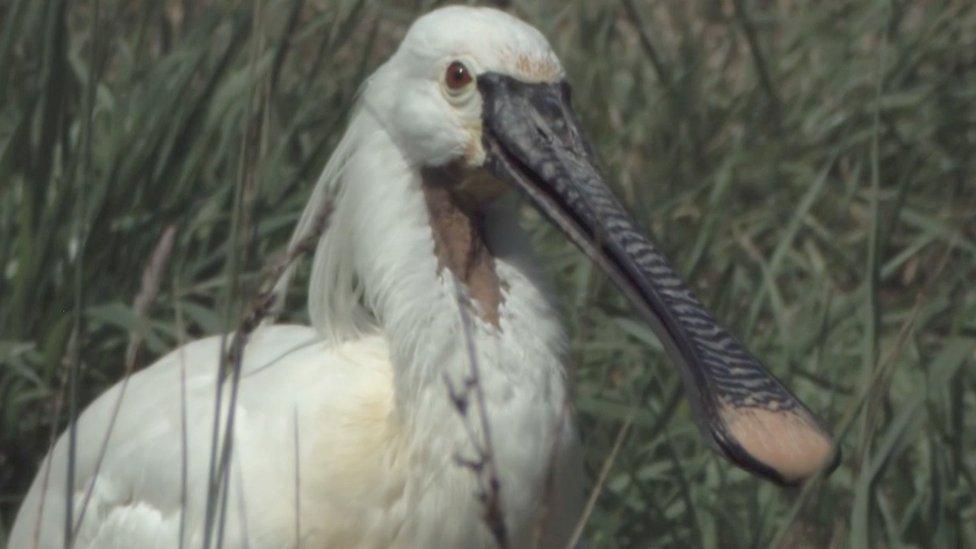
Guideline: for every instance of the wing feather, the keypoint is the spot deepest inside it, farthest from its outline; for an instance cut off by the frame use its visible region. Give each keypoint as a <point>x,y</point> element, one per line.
<point>292,385</point>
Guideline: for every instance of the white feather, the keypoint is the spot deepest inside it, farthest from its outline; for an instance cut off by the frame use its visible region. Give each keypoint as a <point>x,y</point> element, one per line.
<point>366,391</point>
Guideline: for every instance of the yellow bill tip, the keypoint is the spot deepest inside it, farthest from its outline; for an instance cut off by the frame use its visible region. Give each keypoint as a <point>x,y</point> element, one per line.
<point>787,442</point>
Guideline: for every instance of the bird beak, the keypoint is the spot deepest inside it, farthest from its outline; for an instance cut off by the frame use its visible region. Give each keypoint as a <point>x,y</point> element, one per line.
<point>534,142</point>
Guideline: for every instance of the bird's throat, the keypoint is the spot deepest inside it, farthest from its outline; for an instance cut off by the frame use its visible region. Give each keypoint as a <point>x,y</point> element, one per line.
<point>456,222</point>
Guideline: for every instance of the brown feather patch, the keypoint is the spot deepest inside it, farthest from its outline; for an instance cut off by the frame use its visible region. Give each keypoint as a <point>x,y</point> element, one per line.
<point>456,223</point>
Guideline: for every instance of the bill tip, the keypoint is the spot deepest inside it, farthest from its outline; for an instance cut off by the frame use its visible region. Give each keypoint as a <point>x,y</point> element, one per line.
<point>791,446</point>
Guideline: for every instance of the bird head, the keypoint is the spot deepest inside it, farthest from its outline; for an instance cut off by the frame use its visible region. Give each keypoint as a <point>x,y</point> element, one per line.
<point>482,92</point>
<point>433,96</point>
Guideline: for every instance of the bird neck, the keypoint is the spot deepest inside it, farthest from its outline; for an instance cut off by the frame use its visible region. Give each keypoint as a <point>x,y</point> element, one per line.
<point>473,334</point>
<point>474,313</point>
<point>455,292</point>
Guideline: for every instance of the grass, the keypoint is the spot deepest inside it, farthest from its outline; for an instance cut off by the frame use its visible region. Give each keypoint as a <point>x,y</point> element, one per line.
<point>811,166</point>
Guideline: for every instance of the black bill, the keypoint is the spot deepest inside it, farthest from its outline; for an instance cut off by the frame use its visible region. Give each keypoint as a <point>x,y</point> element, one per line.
<point>533,141</point>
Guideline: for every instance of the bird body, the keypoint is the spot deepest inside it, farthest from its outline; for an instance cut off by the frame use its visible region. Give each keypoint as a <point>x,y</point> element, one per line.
<point>428,405</point>
<point>318,461</point>
<point>366,401</point>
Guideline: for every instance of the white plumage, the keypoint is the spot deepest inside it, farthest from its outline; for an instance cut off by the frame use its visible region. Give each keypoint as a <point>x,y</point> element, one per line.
<point>364,397</point>
<point>351,433</point>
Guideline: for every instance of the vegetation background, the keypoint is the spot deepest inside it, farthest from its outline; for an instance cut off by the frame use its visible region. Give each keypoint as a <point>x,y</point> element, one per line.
<point>809,165</point>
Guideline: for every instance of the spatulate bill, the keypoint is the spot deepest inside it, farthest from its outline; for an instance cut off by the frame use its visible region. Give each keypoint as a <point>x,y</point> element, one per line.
<point>534,142</point>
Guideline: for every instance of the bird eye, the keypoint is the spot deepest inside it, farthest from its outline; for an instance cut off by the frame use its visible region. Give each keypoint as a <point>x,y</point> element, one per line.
<point>457,76</point>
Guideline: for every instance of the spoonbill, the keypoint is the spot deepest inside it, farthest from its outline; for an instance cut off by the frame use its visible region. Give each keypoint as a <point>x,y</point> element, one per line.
<point>362,431</point>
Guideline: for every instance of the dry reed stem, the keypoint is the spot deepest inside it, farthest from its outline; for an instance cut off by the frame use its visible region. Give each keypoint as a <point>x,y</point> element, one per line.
<point>58,405</point>
<point>600,482</point>
<point>261,307</point>
<point>148,291</point>
<point>878,376</point>
<point>483,465</point>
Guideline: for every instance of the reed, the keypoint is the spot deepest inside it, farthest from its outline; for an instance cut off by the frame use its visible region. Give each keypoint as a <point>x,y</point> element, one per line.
<point>811,166</point>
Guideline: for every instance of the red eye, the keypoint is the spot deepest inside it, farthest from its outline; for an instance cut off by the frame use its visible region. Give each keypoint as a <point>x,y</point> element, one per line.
<point>457,76</point>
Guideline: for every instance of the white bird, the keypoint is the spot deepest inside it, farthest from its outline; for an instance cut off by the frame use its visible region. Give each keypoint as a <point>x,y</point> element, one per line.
<point>428,311</point>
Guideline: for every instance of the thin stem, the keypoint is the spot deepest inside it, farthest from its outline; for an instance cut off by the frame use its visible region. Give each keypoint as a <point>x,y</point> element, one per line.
<point>485,462</point>
<point>757,56</point>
